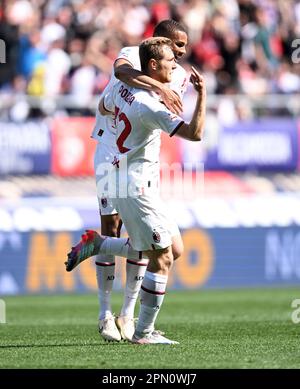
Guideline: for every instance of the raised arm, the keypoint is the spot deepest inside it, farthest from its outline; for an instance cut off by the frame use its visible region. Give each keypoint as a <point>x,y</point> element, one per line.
<point>194,130</point>
<point>132,77</point>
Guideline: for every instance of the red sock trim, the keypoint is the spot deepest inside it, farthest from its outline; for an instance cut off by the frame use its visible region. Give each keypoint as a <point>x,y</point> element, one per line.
<point>105,263</point>
<point>136,263</point>
<point>152,291</point>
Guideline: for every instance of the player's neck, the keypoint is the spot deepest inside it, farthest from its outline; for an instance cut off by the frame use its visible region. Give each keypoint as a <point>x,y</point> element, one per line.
<point>155,77</point>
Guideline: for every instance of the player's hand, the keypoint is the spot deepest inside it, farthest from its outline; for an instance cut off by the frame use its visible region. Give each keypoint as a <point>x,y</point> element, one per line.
<point>197,80</point>
<point>171,99</point>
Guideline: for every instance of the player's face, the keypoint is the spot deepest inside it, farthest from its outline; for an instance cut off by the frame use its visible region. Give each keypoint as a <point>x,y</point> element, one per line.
<point>179,40</point>
<point>166,65</point>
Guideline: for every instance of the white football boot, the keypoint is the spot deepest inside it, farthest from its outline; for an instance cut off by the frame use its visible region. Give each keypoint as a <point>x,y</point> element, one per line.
<point>151,338</point>
<point>108,329</point>
<point>126,327</point>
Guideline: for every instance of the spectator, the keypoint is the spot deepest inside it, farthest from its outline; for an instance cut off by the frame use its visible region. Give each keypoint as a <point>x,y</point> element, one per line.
<point>243,46</point>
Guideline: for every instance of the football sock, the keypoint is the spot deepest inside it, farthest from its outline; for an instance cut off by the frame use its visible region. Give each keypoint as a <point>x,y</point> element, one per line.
<point>152,295</point>
<point>105,272</point>
<point>135,272</point>
<point>120,247</point>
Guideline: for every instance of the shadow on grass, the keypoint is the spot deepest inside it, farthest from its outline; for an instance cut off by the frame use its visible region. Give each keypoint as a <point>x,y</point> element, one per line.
<point>64,345</point>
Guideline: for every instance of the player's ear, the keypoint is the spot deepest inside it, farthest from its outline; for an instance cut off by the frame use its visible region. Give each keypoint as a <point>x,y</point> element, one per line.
<point>153,64</point>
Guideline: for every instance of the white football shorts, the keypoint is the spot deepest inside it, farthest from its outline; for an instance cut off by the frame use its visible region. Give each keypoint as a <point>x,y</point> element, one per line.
<point>147,222</point>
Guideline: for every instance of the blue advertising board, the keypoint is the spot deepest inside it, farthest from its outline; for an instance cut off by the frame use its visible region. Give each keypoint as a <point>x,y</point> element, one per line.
<point>265,144</point>
<point>25,148</point>
<point>33,262</point>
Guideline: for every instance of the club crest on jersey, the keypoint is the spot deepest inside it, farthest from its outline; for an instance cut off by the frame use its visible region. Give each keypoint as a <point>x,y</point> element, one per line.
<point>156,236</point>
<point>104,202</point>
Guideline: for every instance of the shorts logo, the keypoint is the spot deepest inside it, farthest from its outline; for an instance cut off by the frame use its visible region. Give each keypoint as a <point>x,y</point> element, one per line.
<point>156,236</point>
<point>104,202</point>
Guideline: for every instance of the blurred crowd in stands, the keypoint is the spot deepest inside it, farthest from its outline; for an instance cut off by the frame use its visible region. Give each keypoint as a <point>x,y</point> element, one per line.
<point>67,47</point>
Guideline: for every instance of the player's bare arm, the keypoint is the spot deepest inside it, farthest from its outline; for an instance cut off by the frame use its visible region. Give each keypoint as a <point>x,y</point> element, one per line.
<point>102,109</point>
<point>135,78</point>
<point>194,130</point>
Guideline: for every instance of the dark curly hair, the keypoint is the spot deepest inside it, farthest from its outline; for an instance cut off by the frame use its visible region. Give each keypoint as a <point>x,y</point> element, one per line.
<point>167,28</point>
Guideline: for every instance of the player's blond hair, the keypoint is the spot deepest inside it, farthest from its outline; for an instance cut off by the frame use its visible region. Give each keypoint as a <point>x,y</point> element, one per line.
<point>152,48</point>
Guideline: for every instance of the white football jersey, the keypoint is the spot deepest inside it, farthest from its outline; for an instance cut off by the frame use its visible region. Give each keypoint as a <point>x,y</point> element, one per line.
<point>139,119</point>
<point>104,130</point>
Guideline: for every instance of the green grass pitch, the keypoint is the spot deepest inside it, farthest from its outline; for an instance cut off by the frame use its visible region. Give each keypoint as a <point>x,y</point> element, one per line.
<point>216,329</point>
